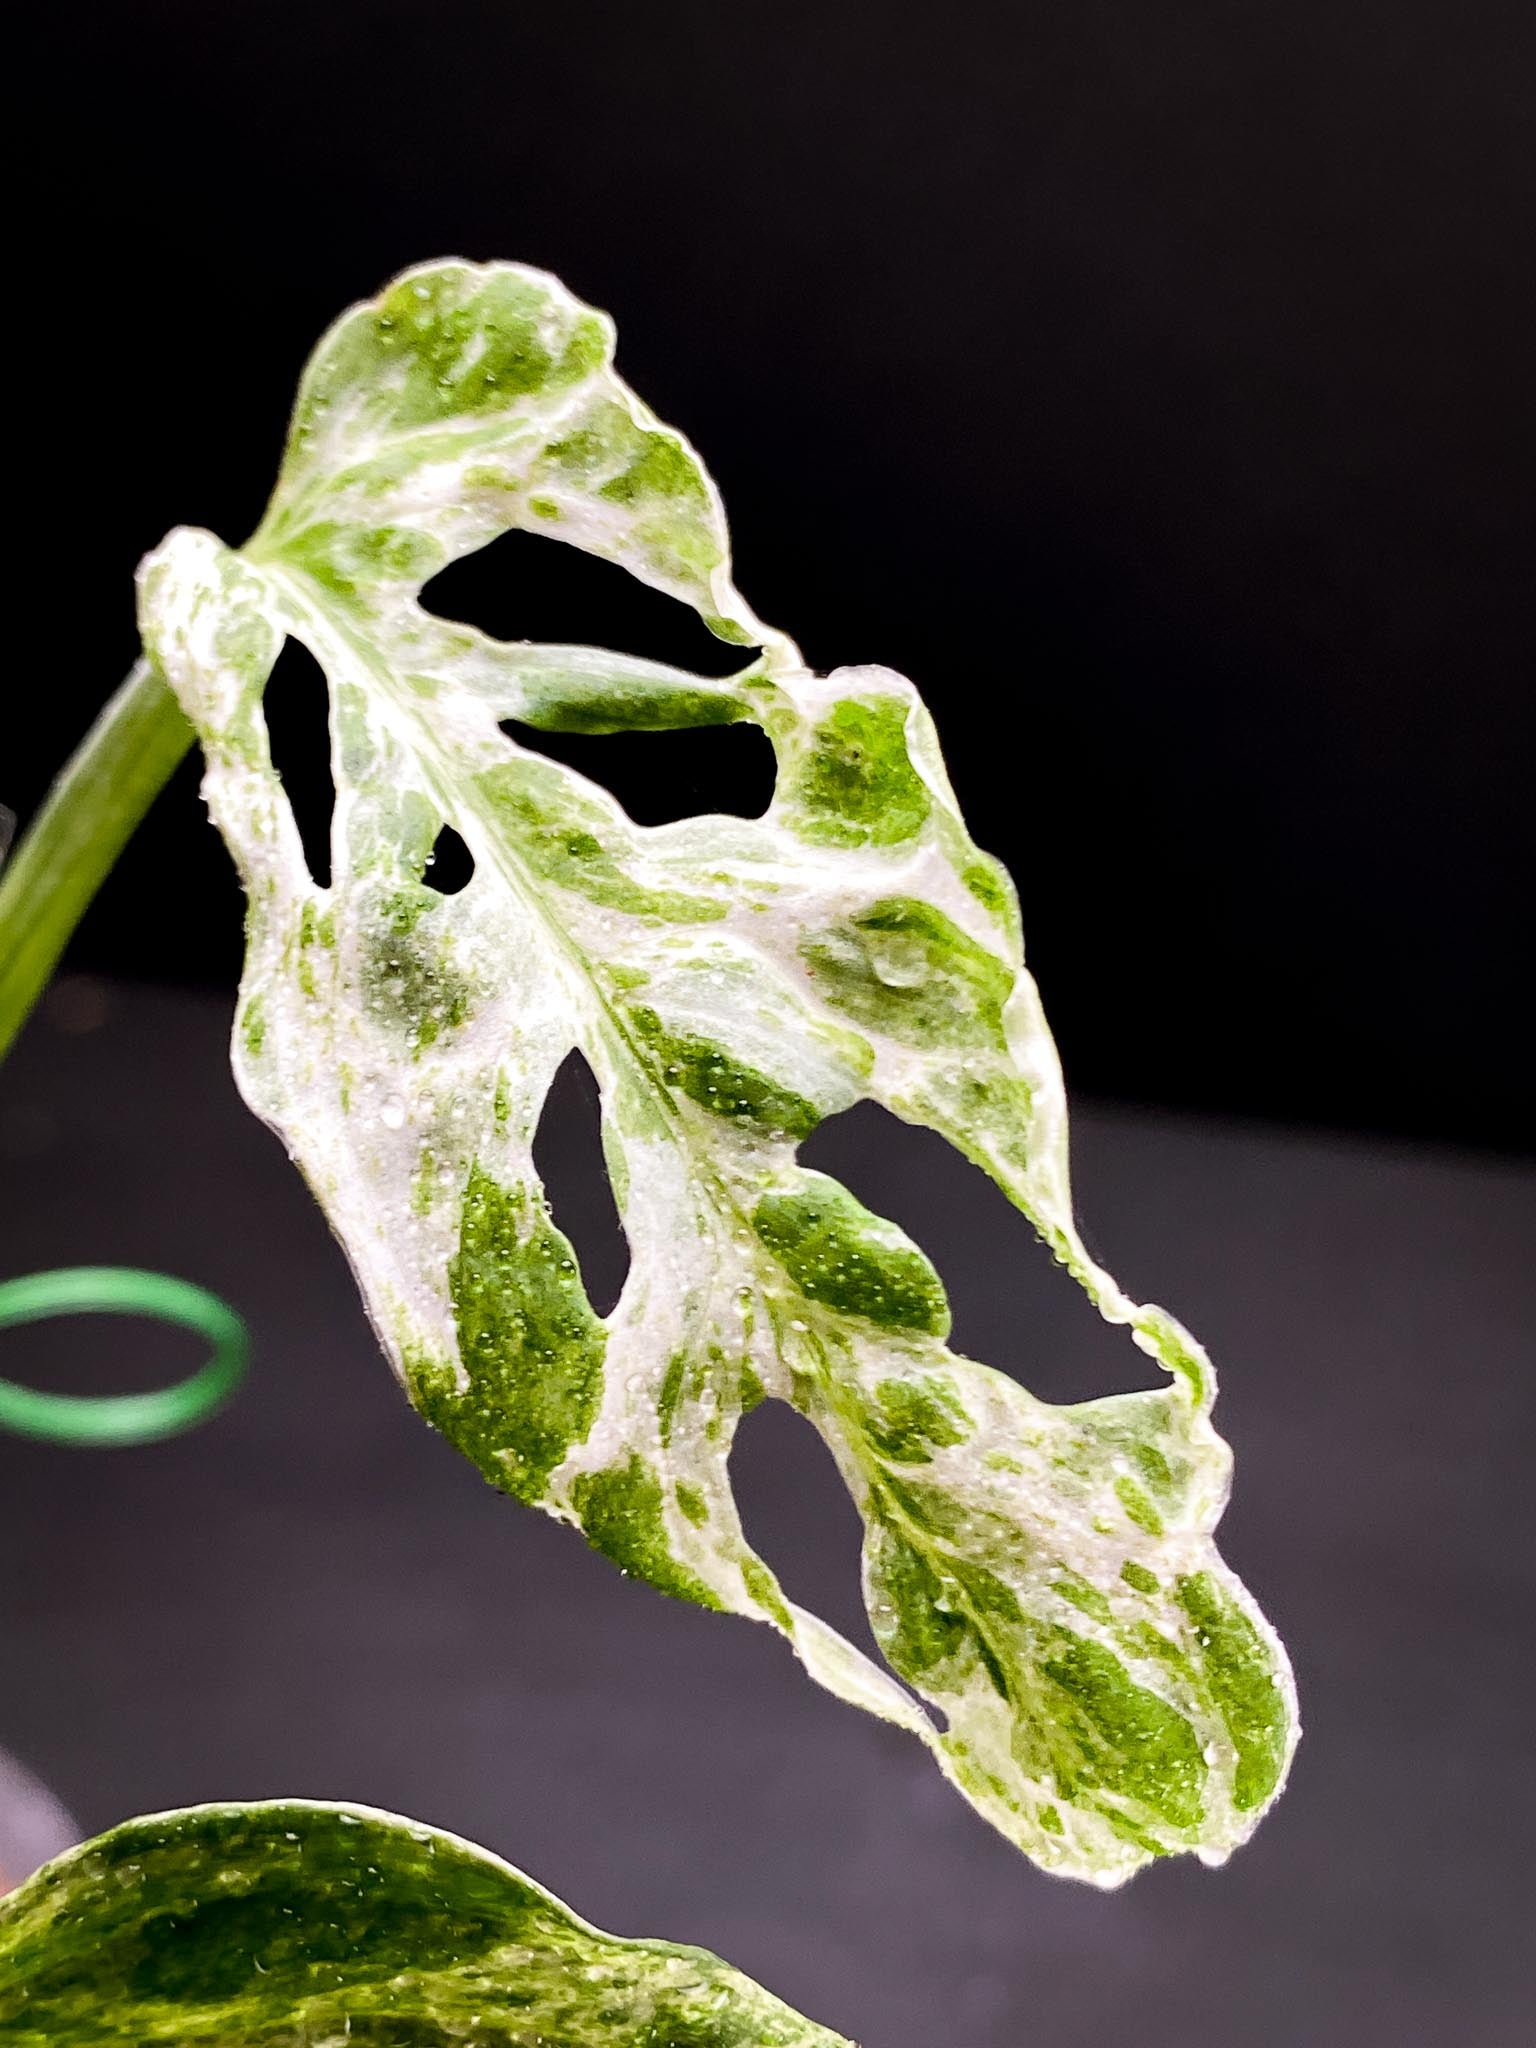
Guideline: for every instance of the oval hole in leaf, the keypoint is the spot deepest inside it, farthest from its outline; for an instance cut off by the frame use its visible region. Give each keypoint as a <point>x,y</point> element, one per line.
<point>450,863</point>
<point>1014,1307</point>
<point>297,710</point>
<point>660,777</point>
<point>800,1518</point>
<point>525,586</point>
<point>568,1153</point>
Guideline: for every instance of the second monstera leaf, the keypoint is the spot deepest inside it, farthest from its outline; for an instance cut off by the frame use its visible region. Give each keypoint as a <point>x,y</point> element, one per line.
<point>1043,1576</point>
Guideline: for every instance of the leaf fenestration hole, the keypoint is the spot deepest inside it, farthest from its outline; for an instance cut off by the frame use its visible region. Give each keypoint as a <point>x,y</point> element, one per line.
<point>1014,1307</point>
<point>659,777</point>
<point>568,1153</point>
<point>529,586</point>
<point>297,710</point>
<point>450,863</point>
<point>799,1517</point>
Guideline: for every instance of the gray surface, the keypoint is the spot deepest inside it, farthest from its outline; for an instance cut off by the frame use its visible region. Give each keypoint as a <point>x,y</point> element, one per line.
<point>33,1825</point>
<point>316,1596</point>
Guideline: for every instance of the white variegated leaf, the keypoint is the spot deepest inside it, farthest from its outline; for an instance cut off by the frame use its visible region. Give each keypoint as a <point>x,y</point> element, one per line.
<point>1043,1576</point>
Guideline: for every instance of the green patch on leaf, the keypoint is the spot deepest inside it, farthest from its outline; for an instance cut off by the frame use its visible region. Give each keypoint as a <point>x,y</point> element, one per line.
<point>635,709</point>
<point>253,1025</point>
<point>721,1083</point>
<point>1138,1506</point>
<point>1240,1670</point>
<point>663,467</point>
<point>621,1514</point>
<point>857,785</point>
<point>763,1591</point>
<point>348,561</point>
<point>564,838</point>
<point>915,1619</point>
<point>412,977</point>
<point>528,1341</point>
<point>1142,1748</point>
<point>692,1503</point>
<point>839,1254</point>
<point>1083,1596</point>
<point>673,1381</point>
<point>905,968</point>
<point>911,1418</point>
<point>987,880</point>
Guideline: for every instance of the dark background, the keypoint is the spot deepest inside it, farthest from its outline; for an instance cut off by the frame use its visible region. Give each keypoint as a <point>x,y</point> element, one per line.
<point>316,1596</point>
<point>1145,382</point>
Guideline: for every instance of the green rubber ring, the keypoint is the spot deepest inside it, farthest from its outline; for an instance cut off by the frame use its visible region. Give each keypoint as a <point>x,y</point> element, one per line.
<point>122,1418</point>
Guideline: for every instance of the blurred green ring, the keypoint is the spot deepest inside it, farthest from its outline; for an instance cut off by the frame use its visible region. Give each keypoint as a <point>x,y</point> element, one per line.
<point>122,1418</point>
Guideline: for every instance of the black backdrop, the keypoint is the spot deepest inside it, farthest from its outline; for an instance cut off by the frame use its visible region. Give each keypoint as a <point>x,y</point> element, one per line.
<point>1145,382</point>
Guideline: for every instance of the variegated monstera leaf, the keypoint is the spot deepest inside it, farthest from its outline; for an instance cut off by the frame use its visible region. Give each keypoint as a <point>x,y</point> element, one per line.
<point>288,1924</point>
<point>1044,1576</point>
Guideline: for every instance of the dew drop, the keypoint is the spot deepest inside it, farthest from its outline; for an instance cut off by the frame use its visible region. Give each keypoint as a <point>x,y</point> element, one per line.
<point>898,964</point>
<point>392,1113</point>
